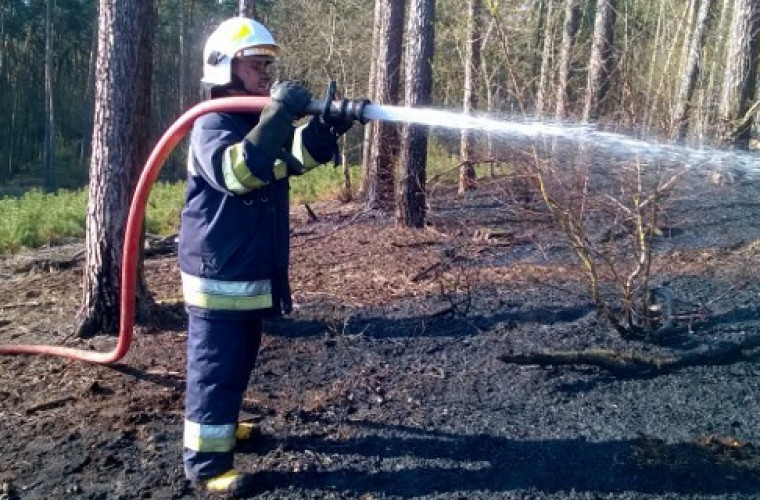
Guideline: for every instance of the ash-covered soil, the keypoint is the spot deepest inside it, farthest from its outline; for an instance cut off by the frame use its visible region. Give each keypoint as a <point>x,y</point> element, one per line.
<point>390,379</point>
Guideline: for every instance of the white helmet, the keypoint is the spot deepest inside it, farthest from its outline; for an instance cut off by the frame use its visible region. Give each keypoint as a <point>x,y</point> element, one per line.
<point>236,37</point>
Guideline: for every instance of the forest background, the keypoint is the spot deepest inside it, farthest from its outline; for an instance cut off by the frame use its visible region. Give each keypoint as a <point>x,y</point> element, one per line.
<point>676,69</point>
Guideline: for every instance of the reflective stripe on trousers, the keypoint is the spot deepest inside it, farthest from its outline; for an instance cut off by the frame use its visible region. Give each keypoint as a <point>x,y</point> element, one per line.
<point>212,294</point>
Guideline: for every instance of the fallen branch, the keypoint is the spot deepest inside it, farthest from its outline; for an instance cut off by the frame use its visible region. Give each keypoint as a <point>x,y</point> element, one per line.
<point>475,161</point>
<point>49,405</point>
<point>331,232</point>
<point>159,245</point>
<point>425,273</point>
<point>488,234</point>
<point>311,216</point>
<point>415,244</point>
<point>627,364</point>
<point>32,303</point>
<point>49,263</point>
<point>744,122</point>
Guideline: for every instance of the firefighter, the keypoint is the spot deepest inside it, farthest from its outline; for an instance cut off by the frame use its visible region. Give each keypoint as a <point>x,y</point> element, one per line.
<point>234,238</point>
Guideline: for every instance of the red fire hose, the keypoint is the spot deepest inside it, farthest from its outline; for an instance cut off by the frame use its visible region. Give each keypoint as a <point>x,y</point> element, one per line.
<point>165,145</point>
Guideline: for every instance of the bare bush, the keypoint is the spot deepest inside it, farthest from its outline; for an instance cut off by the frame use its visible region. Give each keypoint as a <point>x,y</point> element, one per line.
<point>610,213</point>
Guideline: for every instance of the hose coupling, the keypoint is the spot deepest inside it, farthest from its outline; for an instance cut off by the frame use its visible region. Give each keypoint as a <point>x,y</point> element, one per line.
<point>342,109</point>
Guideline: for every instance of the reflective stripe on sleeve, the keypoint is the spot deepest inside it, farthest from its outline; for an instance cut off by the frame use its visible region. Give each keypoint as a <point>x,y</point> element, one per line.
<point>209,293</point>
<point>300,151</point>
<point>191,165</point>
<point>237,176</point>
<point>209,438</point>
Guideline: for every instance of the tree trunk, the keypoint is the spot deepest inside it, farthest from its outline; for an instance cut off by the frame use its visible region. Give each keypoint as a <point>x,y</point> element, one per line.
<point>600,60</point>
<point>384,150</point>
<point>471,79</point>
<point>50,178</point>
<point>688,30</point>
<point>369,128</point>
<point>650,100</point>
<point>492,91</point>
<point>658,95</point>
<point>572,23</point>
<point>419,87</point>
<point>534,53</point>
<point>120,147</point>
<point>717,66</point>
<point>546,60</point>
<point>741,74</point>
<point>690,73</point>
<point>4,104</point>
<point>87,103</point>
<point>182,56</point>
<point>247,8</point>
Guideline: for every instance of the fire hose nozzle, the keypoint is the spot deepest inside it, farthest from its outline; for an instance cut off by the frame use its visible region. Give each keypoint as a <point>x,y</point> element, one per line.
<point>343,109</point>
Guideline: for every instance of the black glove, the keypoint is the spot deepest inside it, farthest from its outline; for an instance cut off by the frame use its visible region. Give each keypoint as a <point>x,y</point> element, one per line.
<point>292,96</point>
<point>319,140</point>
<point>337,126</point>
<point>275,125</point>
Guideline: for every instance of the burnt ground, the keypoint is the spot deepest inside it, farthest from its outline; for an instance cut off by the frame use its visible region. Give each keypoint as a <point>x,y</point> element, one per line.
<point>389,379</point>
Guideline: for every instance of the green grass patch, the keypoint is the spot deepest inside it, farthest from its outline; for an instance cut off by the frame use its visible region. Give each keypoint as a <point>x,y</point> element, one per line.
<point>322,183</point>
<point>164,207</point>
<point>37,218</point>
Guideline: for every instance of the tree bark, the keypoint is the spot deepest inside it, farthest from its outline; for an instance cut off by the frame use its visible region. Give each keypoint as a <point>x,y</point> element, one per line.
<point>680,120</point>
<point>651,100</point>
<point>657,97</point>
<point>182,56</point>
<point>688,31</point>
<point>546,60</point>
<point>717,66</point>
<point>572,24</point>
<point>535,50</point>
<point>372,95</point>
<point>741,73</point>
<point>87,102</point>
<point>491,89</point>
<point>120,146</point>
<point>471,79</point>
<point>418,88</point>
<point>5,157</point>
<point>50,177</point>
<point>247,8</point>
<point>600,60</point>
<point>384,150</point>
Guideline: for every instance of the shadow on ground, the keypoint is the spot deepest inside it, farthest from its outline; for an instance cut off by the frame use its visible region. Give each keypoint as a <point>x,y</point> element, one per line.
<point>423,326</point>
<point>413,462</point>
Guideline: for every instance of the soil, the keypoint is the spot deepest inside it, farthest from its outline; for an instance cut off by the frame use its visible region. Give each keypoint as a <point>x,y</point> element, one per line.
<point>393,377</point>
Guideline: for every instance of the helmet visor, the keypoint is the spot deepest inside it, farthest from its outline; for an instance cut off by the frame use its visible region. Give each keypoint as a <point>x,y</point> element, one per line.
<point>259,51</point>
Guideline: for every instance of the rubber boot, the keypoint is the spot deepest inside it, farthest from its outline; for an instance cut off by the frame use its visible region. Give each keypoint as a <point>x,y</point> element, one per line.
<point>244,431</point>
<point>231,484</point>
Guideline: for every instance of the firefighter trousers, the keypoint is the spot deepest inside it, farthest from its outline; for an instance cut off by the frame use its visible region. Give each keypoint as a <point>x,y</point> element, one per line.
<point>221,354</point>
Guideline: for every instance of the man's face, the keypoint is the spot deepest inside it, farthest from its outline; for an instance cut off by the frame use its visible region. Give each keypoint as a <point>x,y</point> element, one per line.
<point>253,71</point>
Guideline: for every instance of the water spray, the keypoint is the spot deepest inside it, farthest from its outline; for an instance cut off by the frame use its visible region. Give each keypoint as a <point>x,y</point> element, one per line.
<point>614,144</point>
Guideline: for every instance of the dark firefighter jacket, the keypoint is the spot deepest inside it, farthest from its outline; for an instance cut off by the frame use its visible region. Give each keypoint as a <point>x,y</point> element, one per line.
<point>234,236</point>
